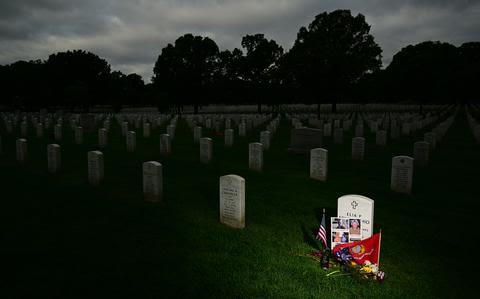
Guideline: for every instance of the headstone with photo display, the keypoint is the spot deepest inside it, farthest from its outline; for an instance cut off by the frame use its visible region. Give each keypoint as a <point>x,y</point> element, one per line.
<point>357,206</point>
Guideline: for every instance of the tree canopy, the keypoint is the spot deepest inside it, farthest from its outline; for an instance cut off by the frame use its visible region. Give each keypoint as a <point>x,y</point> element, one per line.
<point>333,59</point>
<point>186,70</point>
<point>331,55</point>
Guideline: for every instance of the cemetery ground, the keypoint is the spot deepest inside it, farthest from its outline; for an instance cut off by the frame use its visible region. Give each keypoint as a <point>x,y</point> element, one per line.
<point>63,238</point>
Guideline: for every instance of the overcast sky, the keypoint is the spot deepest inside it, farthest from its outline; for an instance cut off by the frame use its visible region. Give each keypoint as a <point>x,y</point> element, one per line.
<point>130,34</point>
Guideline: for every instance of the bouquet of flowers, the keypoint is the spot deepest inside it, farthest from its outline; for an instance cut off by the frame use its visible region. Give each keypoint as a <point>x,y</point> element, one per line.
<point>365,271</point>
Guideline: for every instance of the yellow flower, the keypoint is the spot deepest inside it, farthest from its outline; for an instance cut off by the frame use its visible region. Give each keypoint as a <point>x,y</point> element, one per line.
<point>366,269</point>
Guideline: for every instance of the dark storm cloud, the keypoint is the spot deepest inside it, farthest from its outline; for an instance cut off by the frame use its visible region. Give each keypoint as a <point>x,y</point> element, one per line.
<point>131,34</point>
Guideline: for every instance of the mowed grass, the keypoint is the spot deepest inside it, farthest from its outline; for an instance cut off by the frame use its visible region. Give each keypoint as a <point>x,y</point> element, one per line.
<point>62,238</point>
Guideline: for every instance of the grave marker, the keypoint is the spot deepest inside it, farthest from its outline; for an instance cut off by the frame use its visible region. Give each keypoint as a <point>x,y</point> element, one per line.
<point>358,206</point>
<point>232,201</point>
<point>152,181</point>
<point>318,164</point>
<point>402,174</point>
<point>95,168</point>
<point>54,158</point>
<point>255,156</point>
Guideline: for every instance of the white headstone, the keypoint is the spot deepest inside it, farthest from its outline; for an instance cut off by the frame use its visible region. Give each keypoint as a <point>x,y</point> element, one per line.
<point>102,137</point>
<point>421,153</point>
<point>318,164</point>
<point>265,139</point>
<point>78,135</point>
<point>205,150</point>
<point>242,130</point>
<point>381,138</point>
<point>402,174</point>
<point>165,145</point>
<point>95,168</point>
<point>58,132</point>
<point>131,141</point>
<point>255,156</point>
<point>146,130</point>
<point>40,130</point>
<point>232,201</point>
<point>152,181</point>
<point>229,137</point>
<point>358,206</point>
<point>358,148</point>
<point>197,134</point>
<point>22,150</point>
<point>54,158</point>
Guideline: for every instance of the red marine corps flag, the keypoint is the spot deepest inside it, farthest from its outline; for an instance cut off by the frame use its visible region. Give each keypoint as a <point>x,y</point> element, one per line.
<point>360,251</point>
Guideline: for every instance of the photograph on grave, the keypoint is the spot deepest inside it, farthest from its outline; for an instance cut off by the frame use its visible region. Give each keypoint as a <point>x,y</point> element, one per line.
<point>339,223</point>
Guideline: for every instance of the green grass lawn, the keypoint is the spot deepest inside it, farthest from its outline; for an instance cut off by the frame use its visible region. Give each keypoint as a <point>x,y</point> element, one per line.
<point>62,238</point>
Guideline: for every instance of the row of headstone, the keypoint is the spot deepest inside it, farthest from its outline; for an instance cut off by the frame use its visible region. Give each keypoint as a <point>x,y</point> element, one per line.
<point>472,122</point>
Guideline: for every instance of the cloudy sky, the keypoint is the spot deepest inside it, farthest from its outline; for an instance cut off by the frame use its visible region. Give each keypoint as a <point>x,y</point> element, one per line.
<point>130,34</point>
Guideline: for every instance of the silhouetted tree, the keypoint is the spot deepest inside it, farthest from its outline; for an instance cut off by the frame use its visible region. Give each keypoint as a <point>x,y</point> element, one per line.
<point>423,72</point>
<point>468,71</point>
<point>333,54</point>
<point>186,70</point>
<point>228,76</point>
<point>259,62</point>
<point>78,78</point>
<point>24,85</point>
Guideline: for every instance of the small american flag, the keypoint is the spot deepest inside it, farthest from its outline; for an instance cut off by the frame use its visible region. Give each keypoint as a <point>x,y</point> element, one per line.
<point>322,233</point>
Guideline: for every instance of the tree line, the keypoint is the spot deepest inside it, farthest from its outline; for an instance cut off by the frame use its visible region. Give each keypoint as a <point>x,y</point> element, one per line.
<point>334,59</point>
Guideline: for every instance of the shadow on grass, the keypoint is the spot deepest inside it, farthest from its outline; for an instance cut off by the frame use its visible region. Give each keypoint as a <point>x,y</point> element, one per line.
<point>308,236</point>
